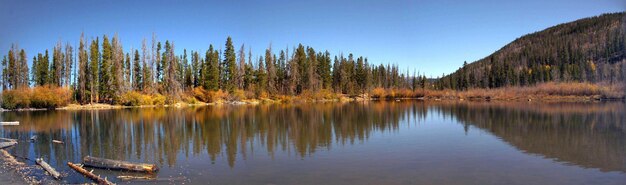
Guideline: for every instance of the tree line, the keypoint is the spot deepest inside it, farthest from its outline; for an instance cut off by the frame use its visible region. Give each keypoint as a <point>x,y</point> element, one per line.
<point>100,70</point>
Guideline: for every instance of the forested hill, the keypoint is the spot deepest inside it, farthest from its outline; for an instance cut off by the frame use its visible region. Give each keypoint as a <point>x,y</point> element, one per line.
<point>587,50</point>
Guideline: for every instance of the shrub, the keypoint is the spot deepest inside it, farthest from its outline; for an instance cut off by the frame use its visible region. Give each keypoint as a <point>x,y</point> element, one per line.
<point>133,98</point>
<point>158,99</point>
<point>39,97</point>
<point>214,96</point>
<point>200,94</point>
<point>49,97</point>
<point>16,99</point>
<point>238,95</point>
<point>378,93</point>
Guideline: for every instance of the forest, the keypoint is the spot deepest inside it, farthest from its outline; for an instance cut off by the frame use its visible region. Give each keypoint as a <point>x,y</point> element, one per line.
<point>589,50</point>
<point>101,71</point>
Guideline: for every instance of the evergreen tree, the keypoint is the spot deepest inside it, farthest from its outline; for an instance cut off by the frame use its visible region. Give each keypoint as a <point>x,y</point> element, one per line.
<point>230,66</point>
<point>137,73</point>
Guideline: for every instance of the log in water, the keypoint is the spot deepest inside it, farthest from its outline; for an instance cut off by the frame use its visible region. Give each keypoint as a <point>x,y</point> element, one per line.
<point>7,144</point>
<point>48,168</point>
<point>88,174</point>
<point>9,123</point>
<point>118,165</point>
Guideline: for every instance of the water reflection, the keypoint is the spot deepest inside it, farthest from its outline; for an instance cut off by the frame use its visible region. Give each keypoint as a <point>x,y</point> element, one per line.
<point>587,135</point>
<point>591,135</point>
<point>160,134</point>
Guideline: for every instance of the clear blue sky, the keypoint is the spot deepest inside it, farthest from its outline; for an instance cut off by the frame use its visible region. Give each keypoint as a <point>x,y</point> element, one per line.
<point>434,37</point>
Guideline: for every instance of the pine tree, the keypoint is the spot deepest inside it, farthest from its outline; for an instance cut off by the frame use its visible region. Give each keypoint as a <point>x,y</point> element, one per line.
<point>211,70</point>
<point>104,90</point>
<point>270,66</point>
<point>230,66</point>
<point>137,73</point>
<point>94,77</point>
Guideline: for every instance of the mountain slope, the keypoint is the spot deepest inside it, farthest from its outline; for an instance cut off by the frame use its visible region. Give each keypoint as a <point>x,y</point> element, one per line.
<point>587,50</point>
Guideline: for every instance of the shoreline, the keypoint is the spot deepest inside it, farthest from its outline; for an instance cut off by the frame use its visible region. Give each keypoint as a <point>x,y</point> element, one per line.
<point>547,99</point>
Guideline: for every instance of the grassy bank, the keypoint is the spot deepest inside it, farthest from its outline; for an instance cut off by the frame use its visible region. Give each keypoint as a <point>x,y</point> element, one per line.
<point>544,92</point>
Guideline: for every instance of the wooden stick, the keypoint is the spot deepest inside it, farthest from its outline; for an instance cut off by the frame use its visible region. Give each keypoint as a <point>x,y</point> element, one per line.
<point>131,178</point>
<point>57,141</point>
<point>7,144</point>
<point>48,168</point>
<point>90,175</point>
<point>9,123</point>
<point>118,165</point>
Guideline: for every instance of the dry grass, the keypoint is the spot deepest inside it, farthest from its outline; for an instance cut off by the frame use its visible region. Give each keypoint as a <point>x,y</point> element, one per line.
<point>545,91</point>
<point>381,93</point>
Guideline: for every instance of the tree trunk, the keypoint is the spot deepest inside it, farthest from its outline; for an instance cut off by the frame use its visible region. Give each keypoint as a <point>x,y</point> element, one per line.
<point>92,176</point>
<point>118,165</point>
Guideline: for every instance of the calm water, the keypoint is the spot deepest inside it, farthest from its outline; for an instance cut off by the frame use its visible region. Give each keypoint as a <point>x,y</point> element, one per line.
<point>409,142</point>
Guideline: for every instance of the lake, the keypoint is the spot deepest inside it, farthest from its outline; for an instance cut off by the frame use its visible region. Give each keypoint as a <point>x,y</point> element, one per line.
<point>406,142</point>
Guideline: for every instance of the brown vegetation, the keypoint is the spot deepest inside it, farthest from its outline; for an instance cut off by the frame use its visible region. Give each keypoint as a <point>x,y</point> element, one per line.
<point>38,97</point>
<point>544,91</point>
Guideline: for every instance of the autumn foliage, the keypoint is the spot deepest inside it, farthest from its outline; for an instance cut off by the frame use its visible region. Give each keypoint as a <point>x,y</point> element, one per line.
<point>38,97</point>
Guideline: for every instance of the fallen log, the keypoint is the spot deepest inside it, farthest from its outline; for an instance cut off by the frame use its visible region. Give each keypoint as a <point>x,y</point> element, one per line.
<point>89,174</point>
<point>136,178</point>
<point>57,141</point>
<point>8,139</point>
<point>9,123</point>
<point>150,179</point>
<point>7,144</point>
<point>48,168</point>
<point>118,165</point>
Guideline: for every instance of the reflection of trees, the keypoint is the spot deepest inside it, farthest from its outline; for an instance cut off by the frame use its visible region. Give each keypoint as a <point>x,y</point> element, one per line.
<point>589,135</point>
<point>160,135</point>
<point>586,134</point>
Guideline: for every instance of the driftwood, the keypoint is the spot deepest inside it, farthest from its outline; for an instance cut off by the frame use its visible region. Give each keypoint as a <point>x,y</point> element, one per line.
<point>7,144</point>
<point>89,174</point>
<point>118,165</point>
<point>9,123</point>
<point>150,179</point>
<point>57,141</point>
<point>48,168</point>
<point>8,139</point>
<point>136,178</point>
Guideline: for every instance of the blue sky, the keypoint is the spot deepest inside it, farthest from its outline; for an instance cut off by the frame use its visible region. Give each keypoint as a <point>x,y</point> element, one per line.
<point>433,37</point>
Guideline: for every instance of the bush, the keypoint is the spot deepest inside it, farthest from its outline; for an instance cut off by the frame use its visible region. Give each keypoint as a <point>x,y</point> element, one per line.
<point>200,94</point>
<point>378,93</point>
<point>49,97</point>
<point>16,99</point>
<point>39,97</point>
<point>158,99</point>
<point>214,96</point>
<point>209,96</point>
<point>133,98</point>
<point>238,95</point>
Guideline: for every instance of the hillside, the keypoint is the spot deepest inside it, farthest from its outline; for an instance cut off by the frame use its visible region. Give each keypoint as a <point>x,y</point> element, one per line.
<point>586,50</point>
